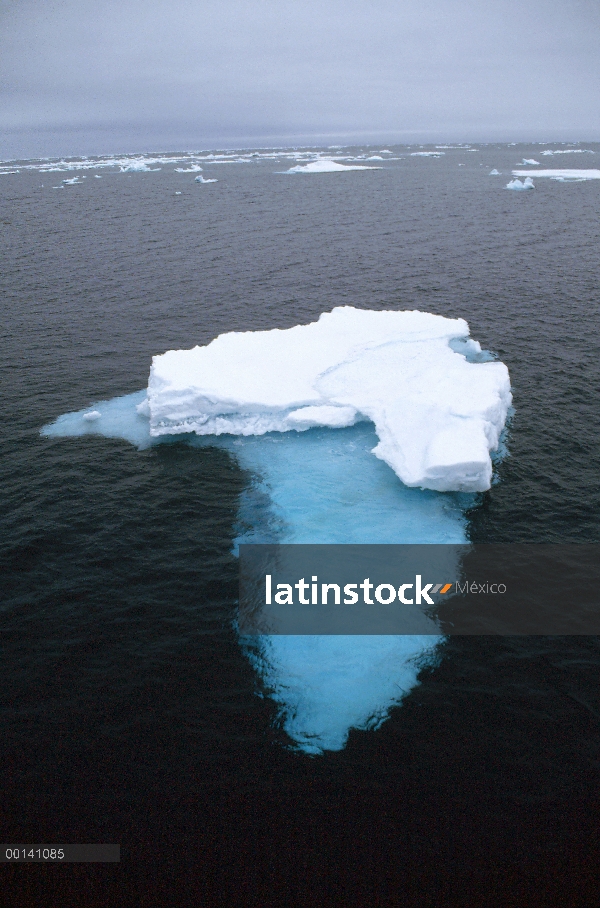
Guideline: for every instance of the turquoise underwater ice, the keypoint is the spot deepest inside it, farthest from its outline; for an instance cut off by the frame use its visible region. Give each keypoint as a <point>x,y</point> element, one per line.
<point>318,486</point>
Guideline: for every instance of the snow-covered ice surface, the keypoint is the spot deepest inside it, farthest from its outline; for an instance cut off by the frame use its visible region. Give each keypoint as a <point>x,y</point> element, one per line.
<point>437,416</point>
<point>328,166</point>
<point>202,179</point>
<point>530,161</point>
<point>494,173</point>
<point>519,186</point>
<point>562,174</point>
<point>322,485</point>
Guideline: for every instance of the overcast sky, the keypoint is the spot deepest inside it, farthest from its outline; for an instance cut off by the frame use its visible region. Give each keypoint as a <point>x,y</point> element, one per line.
<point>97,76</point>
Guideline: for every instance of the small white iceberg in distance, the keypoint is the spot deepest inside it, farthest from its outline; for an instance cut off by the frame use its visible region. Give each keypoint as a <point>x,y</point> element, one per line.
<point>202,179</point>
<point>74,181</point>
<point>518,185</point>
<point>530,161</point>
<point>193,169</point>
<point>327,166</point>
<point>92,415</point>
<point>494,173</point>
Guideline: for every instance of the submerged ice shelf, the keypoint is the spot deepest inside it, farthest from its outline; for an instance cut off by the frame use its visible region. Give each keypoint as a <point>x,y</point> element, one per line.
<point>320,484</point>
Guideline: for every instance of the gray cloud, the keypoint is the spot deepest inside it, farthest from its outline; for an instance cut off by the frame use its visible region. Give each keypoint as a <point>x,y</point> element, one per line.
<point>90,77</point>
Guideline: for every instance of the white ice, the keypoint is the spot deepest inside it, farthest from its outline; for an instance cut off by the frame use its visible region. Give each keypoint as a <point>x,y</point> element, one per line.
<point>437,416</point>
<point>426,154</point>
<point>562,174</point>
<point>202,179</point>
<point>549,151</point>
<point>518,185</point>
<point>138,166</point>
<point>193,169</point>
<point>530,161</point>
<point>328,166</point>
<point>494,173</point>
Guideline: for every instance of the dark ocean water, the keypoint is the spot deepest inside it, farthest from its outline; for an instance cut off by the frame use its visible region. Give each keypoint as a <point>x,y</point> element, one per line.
<point>128,711</point>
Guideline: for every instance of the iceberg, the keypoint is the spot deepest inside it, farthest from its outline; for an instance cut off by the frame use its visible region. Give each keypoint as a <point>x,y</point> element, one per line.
<point>302,410</point>
<point>426,154</point>
<point>326,166</point>
<point>530,161</point>
<point>437,415</point>
<point>494,173</point>
<point>202,179</point>
<point>518,185</point>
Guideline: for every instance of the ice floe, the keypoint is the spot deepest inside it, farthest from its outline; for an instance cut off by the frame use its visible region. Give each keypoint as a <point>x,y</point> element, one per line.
<point>549,151</point>
<point>437,416</point>
<point>530,161</point>
<point>202,179</point>
<point>328,166</point>
<point>426,154</point>
<point>563,175</point>
<point>494,173</point>
<point>138,166</point>
<point>518,185</point>
<point>415,381</point>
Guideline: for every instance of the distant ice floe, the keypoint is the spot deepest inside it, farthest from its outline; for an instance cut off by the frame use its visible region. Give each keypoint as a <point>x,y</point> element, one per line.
<point>6,172</point>
<point>495,173</point>
<point>530,161</point>
<point>426,154</point>
<point>74,181</point>
<point>437,416</point>
<point>573,175</point>
<point>193,169</point>
<point>202,179</point>
<point>518,185</point>
<point>549,151</point>
<point>327,166</point>
<point>138,166</point>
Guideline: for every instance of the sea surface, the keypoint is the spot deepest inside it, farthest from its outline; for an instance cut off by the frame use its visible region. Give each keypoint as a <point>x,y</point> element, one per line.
<point>130,712</point>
